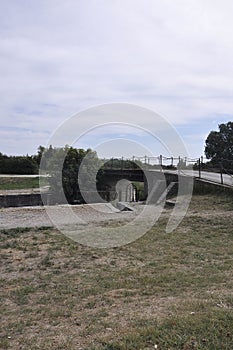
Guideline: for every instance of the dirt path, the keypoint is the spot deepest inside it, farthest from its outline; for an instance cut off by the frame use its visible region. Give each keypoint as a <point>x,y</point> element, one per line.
<point>37,216</point>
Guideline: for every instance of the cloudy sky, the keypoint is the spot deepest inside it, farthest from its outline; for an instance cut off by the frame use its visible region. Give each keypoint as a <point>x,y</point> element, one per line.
<point>58,58</point>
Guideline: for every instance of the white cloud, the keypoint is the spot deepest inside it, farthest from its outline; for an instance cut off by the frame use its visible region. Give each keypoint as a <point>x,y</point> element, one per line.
<point>57,58</point>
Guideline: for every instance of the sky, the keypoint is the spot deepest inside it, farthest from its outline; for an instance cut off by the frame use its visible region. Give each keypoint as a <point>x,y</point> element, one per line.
<point>58,58</point>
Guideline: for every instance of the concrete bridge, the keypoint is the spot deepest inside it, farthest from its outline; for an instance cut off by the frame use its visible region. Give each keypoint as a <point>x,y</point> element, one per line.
<point>163,180</point>
<point>120,181</point>
<point>132,168</point>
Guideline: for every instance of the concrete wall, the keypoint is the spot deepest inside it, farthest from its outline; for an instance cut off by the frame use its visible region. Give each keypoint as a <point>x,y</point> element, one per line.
<point>20,200</point>
<point>205,187</point>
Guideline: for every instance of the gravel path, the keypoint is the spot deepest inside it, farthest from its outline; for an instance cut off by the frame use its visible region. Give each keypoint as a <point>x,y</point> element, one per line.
<point>37,216</point>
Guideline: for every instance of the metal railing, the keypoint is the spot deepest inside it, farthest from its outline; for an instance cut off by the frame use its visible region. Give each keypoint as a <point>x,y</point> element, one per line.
<point>200,166</point>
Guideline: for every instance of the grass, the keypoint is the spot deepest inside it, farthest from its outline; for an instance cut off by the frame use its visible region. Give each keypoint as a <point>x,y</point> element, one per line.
<point>17,183</point>
<point>170,290</point>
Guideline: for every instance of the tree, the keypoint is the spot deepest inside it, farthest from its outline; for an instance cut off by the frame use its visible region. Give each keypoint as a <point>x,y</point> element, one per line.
<point>18,165</point>
<point>39,154</point>
<point>219,146</point>
<point>78,169</point>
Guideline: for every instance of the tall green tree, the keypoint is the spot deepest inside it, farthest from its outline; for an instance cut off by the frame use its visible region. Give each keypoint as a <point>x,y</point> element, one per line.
<point>39,154</point>
<point>72,170</point>
<point>219,146</point>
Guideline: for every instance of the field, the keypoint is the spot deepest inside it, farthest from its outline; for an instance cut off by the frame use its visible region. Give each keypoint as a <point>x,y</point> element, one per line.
<point>18,183</point>
<point>164,291</point>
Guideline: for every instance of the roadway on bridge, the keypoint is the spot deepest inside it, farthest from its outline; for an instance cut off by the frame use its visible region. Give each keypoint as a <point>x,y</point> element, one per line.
<point>209,176</point>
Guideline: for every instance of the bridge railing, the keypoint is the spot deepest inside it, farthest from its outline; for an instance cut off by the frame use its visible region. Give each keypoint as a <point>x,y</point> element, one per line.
<point>200,165</point>
<point>147,162</point>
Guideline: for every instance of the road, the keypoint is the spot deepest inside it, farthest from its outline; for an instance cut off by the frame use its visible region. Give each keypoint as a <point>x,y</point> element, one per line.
<point>214,177</point>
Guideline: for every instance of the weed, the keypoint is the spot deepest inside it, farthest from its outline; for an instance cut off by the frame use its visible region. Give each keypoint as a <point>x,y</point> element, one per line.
<point>20,295</point>
<point>46,261</point>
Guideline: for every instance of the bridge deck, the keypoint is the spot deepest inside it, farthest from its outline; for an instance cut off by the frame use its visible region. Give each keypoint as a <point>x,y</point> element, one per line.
<point>214,178</point>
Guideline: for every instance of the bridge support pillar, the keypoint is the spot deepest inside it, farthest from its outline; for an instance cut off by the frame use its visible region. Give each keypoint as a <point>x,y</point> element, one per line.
<point>154,186</point>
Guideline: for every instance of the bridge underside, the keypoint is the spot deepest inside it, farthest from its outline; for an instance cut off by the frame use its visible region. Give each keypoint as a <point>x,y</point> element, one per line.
<point>156,184</point>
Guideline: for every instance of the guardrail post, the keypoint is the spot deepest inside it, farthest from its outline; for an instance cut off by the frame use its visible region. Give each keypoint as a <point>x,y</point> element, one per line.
<point>161,160</point>
<point>221,171</point>
<point>199,168</point>
<point>179,165</point>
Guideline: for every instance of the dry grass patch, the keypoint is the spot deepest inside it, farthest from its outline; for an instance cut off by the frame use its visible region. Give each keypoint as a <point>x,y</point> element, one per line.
<point>170,290</point>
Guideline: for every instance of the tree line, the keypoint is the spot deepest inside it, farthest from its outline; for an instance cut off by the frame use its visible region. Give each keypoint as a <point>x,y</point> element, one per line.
<point>22,165</point>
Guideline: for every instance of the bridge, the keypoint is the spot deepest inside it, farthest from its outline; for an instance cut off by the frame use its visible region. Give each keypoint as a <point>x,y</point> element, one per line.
<point>138,175</point>
<point>161,176</point>
<point>134,167</point>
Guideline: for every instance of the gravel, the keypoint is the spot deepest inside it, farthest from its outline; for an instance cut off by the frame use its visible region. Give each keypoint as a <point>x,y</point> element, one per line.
<point>37,216</point>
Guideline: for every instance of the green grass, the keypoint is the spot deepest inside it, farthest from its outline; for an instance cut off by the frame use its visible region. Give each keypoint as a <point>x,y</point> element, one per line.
<point>170,290</point>
<point>185,332</point>
<point>17,183</point>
